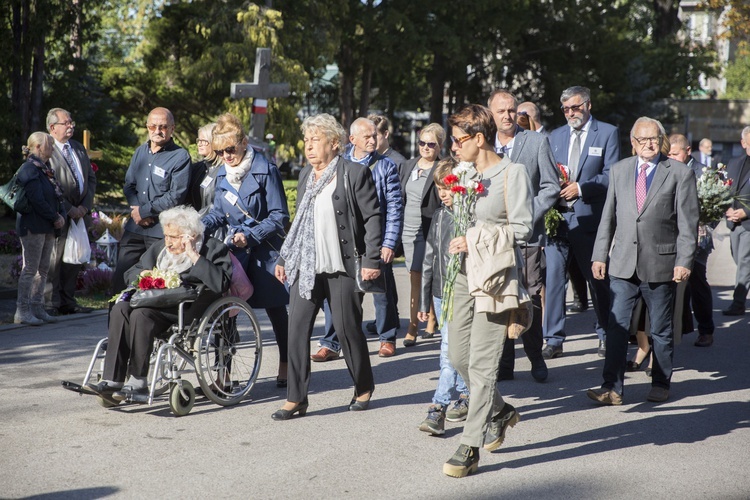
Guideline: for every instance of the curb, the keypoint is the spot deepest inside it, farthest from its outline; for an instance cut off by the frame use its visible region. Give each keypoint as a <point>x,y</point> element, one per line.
<point>60,319</point>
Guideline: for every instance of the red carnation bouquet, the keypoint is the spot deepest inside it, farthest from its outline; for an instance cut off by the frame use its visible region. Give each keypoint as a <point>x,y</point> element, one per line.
<point>465,192</point>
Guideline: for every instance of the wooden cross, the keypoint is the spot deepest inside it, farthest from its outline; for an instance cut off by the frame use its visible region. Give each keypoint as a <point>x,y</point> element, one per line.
<point>260,90</point>
<point>93,155</point>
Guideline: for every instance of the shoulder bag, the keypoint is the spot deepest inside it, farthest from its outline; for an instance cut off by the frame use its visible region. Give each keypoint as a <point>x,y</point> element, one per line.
<point>376,285</point>
<point>13,194</point>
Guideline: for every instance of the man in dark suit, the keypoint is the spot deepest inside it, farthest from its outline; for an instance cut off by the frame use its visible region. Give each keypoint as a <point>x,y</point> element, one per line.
<point>650,223</point>
<point>587,148</point>
<point>705,153</point>
<point>698,294</point>
<point>72,167</point>
<point>738,170</point>
<point>531,150</point>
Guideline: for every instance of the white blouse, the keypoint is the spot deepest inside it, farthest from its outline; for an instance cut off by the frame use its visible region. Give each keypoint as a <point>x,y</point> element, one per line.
<point>327,249</point>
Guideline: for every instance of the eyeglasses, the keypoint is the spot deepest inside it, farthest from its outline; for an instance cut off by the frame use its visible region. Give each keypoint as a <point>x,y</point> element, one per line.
<point>574,109</point>
<point>69,123</point>
<point>154,128</point>
<point>460,140</point>
<point>431,145</point>
<point>201,142</point>
<point>231,150</point>
<point>647,140</point>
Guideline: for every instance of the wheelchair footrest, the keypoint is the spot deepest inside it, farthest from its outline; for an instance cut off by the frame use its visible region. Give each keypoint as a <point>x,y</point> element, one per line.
<point>80,389</point>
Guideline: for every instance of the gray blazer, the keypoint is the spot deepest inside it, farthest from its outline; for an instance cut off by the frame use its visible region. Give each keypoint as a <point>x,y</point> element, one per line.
<point>663,236</point>
<point>533,151</point>
<point>71,196</point>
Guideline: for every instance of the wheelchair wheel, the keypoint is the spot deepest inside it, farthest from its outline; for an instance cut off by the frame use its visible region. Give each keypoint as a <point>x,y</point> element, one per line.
<point>228,351</point>
<point>181,397</point>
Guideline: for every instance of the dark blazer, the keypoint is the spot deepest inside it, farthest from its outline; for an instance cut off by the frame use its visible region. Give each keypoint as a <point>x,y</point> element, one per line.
<point>436,257</point>
<point>45,205</point>
<point>738,169</point>
<point>593,169</point>
<point>430,198</point>
<point>261,195</point>
<point>665,232</point>
<point>365,219</point>
<point>72,197</point>
<point>533,151</point>
<point>213,269</point>
<point>697,157</point>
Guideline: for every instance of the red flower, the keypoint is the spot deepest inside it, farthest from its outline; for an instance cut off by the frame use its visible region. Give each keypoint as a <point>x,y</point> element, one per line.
<point>458,190</point>
<point>450,179</point>
<point>159,283</point>
<point>94,167</point>
<point>728,182</point>
<point>480,188</point>
<point>146,283</point>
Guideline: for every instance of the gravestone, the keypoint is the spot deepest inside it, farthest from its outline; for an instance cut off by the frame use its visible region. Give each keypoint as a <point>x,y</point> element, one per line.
<point>261,89</point>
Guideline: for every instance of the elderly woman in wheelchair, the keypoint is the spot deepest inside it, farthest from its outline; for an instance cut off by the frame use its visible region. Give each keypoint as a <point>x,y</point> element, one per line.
<point>198,262</point>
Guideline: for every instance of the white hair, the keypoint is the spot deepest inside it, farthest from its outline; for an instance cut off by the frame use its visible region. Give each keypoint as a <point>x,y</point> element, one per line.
<point>185,218</point>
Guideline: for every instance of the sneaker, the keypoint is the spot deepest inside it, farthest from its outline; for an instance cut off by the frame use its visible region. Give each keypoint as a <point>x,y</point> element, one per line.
<point>463,462</point>
<point>459,410</point>
<point>435,421</point>
<point>508,417</point>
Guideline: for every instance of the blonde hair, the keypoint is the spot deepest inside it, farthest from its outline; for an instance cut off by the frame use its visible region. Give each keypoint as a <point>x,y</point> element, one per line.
<point>444,167</point>
<point>37,139</point>
<point>228,129</point>
<point>437,130</point>
<point>207,131</point>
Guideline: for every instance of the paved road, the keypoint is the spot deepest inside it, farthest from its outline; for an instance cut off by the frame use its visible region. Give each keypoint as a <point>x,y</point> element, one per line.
<point>56,444</point>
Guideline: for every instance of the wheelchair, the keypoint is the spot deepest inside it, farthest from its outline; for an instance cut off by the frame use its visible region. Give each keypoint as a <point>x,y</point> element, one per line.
<point>223,349</point>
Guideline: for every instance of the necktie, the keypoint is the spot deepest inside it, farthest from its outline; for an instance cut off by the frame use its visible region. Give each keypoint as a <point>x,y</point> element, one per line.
<point>640,187</point>
<point>68,155</point>
<point>504,151</point>
<point>575,155</point>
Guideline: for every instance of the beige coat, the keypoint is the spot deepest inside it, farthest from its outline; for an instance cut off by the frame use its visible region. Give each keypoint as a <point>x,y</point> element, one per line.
<point>492,269</point>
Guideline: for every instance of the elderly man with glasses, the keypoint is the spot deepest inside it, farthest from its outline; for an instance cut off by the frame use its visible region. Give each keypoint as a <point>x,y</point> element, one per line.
<point>584,150</point>
<point>77,180</point>
<point>157,179</point>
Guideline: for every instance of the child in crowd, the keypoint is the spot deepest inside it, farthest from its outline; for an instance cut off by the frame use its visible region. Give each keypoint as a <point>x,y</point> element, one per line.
<point>433,270</point>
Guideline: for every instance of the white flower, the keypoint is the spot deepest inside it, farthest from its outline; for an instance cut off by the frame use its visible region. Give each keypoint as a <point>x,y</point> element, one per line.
<point>463,168</point>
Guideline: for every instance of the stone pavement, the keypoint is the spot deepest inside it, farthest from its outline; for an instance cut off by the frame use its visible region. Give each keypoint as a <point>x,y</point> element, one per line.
<point>57,444</point>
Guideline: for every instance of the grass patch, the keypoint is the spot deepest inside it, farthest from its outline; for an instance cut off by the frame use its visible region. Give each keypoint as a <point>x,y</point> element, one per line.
<point>94,300</point>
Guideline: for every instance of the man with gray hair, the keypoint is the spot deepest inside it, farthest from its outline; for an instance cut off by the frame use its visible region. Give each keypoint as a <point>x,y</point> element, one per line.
<point>647,236</point>
<point>77,179</point>
<point>363,150</point>
<point>585,149</point>
<point>705,154</point>
<point>738,170</point>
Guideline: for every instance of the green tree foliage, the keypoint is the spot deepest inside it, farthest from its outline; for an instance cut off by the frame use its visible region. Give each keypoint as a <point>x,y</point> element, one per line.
<point>738,79</point>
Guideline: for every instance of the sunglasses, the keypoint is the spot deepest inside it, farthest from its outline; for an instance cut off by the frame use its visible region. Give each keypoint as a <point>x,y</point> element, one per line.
<point>574,109</point>
<point>431,145</point>
<point>154,128</point>
<point>202,142</point>
<point>460,140</point>
<point>231,150</point>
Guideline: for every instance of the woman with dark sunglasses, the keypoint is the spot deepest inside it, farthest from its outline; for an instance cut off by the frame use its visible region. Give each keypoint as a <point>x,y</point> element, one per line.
<point>421,201</point>
<point>249,201</point>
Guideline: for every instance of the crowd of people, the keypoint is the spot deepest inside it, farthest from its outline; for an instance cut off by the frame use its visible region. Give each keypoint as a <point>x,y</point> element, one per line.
<point>629,226</point>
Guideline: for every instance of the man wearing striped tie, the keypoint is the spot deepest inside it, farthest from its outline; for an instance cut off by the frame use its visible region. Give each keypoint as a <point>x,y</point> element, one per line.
<point>650,222</point>
<point>73,170</point>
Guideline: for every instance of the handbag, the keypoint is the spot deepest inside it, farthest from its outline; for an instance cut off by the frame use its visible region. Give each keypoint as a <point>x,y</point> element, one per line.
<point>163,298</point>
<point>376,285</point>
<point>77,246</point>
<point>241,286</point>
<point>13,194</point>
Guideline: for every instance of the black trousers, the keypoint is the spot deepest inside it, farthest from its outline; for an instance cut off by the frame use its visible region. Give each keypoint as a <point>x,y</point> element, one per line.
<point>279,318</point>
<point>132,246</point>
<point>62,276</point>
<point>701,300</point>
<point>533,341</point>
<point>346,312</point>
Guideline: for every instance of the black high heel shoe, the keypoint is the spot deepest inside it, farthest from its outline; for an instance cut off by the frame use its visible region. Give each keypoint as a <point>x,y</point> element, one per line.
<point>634,366</point>
<point>281,382</point>
<point>360,405</point>
<point>282,414</point>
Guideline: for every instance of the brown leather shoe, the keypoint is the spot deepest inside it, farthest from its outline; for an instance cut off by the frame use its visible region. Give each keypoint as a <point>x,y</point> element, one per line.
<point>658,394</point>
<point>704,341</point>
<point>387,349</point>
<point>605,396</point>
<point>324,354</point>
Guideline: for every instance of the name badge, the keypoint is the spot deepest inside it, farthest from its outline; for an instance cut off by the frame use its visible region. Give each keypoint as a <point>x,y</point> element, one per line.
<point>230,197</point>
<point>595,151</point>
<point>159,172</point>
<point>415,174</point>
<point>206,182</point>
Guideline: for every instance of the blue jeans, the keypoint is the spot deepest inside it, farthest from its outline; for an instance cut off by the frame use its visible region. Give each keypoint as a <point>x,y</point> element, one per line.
<point>449,377</point>
<point>386,314</point>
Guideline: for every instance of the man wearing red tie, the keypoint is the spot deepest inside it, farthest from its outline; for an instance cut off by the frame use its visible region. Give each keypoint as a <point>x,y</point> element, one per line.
<point>73,170</point>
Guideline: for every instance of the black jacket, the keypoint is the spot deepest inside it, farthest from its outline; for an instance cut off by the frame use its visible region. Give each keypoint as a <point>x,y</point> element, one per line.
<point>436,257</point>
<point>44,202</point>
